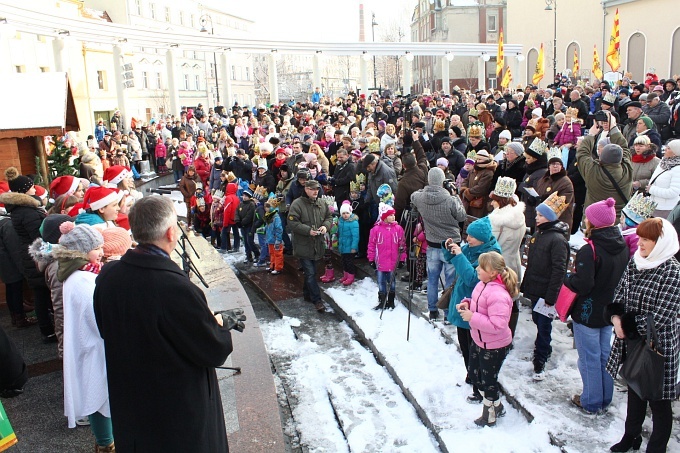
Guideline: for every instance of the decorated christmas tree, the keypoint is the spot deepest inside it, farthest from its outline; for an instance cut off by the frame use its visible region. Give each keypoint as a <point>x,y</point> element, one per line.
<point>61,157</point>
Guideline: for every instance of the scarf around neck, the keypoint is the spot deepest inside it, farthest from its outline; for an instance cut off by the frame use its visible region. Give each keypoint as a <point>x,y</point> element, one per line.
<point>669,162</point>
<point>666,247</point>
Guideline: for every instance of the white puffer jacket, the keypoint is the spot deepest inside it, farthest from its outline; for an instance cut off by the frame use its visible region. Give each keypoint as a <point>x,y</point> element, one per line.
<point>665,189</point>
<point>508,227</point>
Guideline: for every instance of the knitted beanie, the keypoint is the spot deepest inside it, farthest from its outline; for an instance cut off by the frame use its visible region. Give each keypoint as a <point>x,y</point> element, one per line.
<point>516,147</point>
<point>385,211</point>
<point>18,183</point>
<point>611,154</point>
<point>546,212</point>
<point>602,213</point>
<point>435,177</point>
<point>674,145</point>
<point>346,206</point>
<point>82,238</point>
<point>117,241</point>
<point>49,230</point>
<point>481,230</point>
<point>648,122</point>
<point>443,161</point>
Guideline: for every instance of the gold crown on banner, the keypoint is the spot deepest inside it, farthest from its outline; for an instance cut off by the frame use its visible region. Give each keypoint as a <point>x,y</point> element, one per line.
<point>505,187</point>
<point>639,208</point>
<point>538,146</point>
<point>556,203</point>
<point>555,153</point>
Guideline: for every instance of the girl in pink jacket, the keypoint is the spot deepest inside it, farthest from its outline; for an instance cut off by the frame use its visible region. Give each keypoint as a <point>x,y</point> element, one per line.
<point>488,312</point>
<point>386,253</point>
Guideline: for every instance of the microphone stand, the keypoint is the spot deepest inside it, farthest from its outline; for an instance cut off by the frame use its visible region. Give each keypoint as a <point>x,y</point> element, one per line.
<point>187,264</point>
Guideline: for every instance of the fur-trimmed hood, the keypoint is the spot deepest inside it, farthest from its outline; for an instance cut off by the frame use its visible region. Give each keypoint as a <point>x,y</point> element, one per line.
<point>509,216</point>
<point>61,253</point>
<point>41,252</point>
<point>18,199</point>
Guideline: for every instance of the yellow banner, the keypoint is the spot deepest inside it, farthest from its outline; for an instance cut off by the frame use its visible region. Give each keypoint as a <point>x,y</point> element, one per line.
<point>597,67</point>
<point>500,58</point>
<point>614,52</point>
<point>540,70</point>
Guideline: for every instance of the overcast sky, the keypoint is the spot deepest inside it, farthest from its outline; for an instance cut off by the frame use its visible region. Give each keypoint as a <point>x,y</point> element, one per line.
<point>327,21</point>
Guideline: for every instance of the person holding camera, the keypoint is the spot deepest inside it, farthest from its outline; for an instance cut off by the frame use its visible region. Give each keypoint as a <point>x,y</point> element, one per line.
<point>162,343</point>
<point>608,172</point>
<point>441,213</point>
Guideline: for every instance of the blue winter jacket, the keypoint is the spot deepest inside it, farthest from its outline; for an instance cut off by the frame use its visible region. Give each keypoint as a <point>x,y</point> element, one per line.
<point>348,234</point>
<point>466,273</point>
<point>274,229</point>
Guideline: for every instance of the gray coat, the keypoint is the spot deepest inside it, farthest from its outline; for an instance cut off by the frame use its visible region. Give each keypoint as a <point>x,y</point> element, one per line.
<point>660,114</point>
<point>382,175</point>
<point>441,213</point>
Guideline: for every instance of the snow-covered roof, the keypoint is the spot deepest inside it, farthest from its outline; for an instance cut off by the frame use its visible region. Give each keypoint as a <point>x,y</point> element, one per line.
<point>36,104</point>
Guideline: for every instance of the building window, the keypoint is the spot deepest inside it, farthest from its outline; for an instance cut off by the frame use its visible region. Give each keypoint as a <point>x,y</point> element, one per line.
<point>167,14</point>
<point>247,73</point>
<point>138,3</point>
<point>233,72</point>
<point>193,21</point>
<point>145,80</point>
<point>491,23</point>
<point>186,82</point>
<point>101,80</point>
<point>159,81</point>
<point>181,17</point>
<point>20,69</point>
<point>152,10</point>
<point>197,82</point>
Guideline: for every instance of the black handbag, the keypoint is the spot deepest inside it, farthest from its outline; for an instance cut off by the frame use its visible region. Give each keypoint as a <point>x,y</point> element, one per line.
<point>643,368</point>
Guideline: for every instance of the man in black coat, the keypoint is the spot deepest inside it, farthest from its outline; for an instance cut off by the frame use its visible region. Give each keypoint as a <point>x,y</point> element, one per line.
<point>456,158</point>
<point>162,343</point>
<point>345,172</point>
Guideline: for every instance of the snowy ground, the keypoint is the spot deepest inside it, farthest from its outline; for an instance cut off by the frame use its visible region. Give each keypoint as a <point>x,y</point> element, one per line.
<point>346,402</point>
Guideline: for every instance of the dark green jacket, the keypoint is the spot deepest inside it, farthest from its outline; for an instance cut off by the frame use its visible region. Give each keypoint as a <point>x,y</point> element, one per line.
<point>303,216</point>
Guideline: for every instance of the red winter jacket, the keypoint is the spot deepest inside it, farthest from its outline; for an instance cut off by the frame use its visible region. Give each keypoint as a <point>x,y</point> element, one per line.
<point>203,170</point>
<point>231,202</point>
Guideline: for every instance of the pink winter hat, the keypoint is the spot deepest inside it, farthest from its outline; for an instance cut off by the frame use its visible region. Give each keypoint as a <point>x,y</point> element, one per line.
<point>602,213</point>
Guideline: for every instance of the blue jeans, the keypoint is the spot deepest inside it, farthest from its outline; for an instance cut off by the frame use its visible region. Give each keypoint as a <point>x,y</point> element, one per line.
<point>248,242</point>
<point>384,278</point>
<point>542,349</point>
<point>177,174</point>
<point>287,243</point>
<point>264,250</point>
<point>593,347</point>
<point>310,289</point>
<point>101,429</point>
<point>435,264</point>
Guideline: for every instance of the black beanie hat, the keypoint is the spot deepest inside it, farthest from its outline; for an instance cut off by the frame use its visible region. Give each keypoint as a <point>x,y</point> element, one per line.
<point>50,227</point>
<point>17,183</point>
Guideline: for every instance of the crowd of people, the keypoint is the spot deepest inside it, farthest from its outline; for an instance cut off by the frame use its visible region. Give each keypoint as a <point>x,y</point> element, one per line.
<point>461,184</point>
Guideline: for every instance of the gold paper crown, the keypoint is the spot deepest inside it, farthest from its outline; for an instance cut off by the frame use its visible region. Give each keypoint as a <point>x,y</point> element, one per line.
<point>556,203</point>
<point>609,98</point>
<point>361,178</point>
<point>639,208</point>
<point>272,201</point>
<point>572,111</point>
<point>374,145</point>
<point>538,146</point>
<point>354,186</point>
<point>505,187</point>
<point>472,155</point>
<point>260,192</point>
<point>328,199</point>
<point>555,153</point>
<point>476,131</point>
<point>231,177</point>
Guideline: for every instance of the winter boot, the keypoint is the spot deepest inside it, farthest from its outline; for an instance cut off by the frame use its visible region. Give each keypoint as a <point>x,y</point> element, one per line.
<point>20,320</point>
<point>344,277</point>
<point>349,280</point>
<point>627,443</point>
<point>390,301</point>
<point>329,275</point>
<point>100,449</point>
<point>488,417</point>
<point>381,301</point>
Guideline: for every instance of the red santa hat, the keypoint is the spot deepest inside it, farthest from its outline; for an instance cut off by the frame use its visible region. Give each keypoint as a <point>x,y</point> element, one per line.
<point>99,197</point>
<point>115,174</point>
<point>40,192</point>
<point>63,185</point>
<point>76,209</point>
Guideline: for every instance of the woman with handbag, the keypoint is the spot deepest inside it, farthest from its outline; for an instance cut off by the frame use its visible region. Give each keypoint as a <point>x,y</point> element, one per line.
<point>649,285</point>
<point>599,265</point>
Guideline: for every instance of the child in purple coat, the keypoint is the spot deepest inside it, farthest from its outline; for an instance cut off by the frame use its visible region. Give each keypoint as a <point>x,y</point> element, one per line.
<point>386,253</point>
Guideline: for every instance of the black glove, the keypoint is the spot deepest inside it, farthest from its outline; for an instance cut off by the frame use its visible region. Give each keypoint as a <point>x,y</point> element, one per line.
<point>533,201</point>
<point>372,263</point>
<point>401,264</point>
<point>233,319</point>
<point>331,181</point>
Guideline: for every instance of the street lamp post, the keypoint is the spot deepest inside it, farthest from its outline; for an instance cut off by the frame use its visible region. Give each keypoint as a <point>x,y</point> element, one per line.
<point>203,19</point>
<point>551,5</point>
<point>375,71</point>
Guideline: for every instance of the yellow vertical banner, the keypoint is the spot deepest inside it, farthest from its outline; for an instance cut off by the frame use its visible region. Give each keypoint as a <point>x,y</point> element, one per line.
<point>597,67</point>
<point>614,52</point>
<point>540,69</point>
<point>576,67</point>
<point>500,58</point>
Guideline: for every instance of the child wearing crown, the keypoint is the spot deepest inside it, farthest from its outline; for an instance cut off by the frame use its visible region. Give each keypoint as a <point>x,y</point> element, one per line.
<point>547,260</point>
<point>638,209</point>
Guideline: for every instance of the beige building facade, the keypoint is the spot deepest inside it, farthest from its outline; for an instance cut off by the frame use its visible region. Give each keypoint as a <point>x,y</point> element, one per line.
<point>649,36</point>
